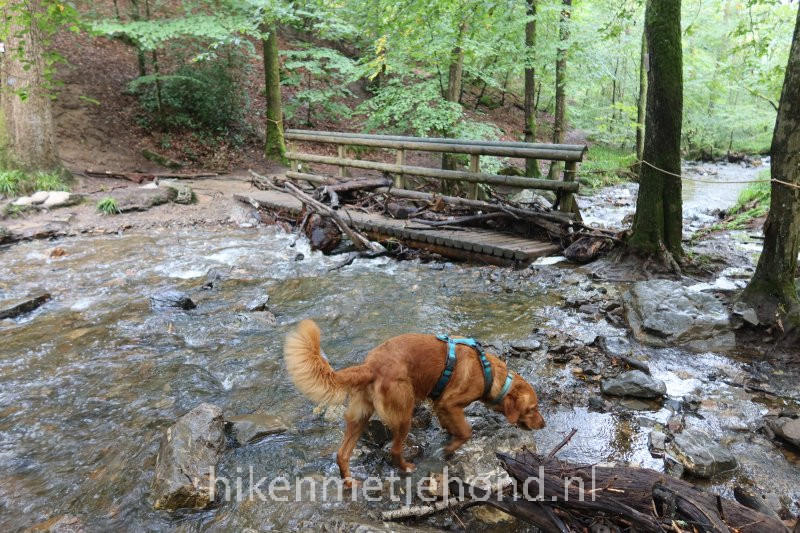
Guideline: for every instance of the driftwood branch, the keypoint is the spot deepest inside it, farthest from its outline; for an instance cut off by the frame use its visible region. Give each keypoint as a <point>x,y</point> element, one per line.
<point>462,220</point>
<point>139,177</point>
<point>359,240</point>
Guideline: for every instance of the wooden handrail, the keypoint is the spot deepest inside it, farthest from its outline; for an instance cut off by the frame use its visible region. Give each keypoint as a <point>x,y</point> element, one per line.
<point>456,175</point>
<point>462,147</point>
<point>292,133</point>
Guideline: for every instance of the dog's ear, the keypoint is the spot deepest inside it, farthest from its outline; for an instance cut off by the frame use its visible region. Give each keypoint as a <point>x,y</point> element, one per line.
<point>510,409</point>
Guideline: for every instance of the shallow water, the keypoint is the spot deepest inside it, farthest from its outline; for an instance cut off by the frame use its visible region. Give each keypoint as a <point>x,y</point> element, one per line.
<point>89,381</point>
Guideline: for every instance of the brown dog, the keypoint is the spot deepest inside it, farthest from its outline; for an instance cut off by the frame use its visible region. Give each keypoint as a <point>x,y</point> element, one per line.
<point>394,377</point>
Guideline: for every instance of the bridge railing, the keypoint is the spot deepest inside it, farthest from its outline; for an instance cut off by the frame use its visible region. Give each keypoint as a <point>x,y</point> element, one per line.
<point>570,154</point>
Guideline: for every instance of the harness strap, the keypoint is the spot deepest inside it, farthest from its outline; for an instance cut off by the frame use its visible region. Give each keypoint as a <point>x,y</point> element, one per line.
<point>504,390</point>
<point>485,364</point>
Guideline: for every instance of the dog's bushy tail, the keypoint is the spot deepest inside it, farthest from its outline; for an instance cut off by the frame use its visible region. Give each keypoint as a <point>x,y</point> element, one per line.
<point>313,375</point>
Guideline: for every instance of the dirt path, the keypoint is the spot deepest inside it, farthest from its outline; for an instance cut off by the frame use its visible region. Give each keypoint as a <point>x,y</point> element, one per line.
<point>214,205</point>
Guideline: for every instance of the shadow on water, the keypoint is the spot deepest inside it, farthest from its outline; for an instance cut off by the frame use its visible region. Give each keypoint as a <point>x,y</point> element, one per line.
<point>89,381</point>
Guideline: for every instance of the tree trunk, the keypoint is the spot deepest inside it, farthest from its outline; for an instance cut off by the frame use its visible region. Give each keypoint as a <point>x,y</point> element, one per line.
<point>772,290</point>
<point>531,165</point>
<point>454,92</point>
<point>640,104</point>
<point>27,130</point>
<point>657,224</point>
<point>559,125</point>
<point>275,146</point>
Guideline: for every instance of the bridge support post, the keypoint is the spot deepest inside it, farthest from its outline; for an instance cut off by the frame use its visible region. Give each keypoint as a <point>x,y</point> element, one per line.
<point>343,173</point>
<point>474,166</point>
<point>400,179</point>
<point>568,203</point>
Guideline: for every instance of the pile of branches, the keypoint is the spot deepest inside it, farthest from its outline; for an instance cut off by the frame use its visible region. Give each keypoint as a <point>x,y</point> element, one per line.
<point>427,211</point>
<point>558,496</point>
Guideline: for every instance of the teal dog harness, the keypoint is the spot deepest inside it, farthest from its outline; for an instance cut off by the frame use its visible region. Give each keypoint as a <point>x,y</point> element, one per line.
<point>487,369</point>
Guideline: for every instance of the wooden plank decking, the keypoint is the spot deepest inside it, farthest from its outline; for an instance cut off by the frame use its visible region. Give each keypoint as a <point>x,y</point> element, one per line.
<point>471,244</point>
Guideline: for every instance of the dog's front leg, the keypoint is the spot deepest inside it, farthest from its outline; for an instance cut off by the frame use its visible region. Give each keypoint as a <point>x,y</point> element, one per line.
<point>452,419</point>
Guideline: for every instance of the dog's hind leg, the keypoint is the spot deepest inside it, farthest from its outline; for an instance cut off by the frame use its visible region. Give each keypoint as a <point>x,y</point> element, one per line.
<point>357,416</point>
<point>395,405</point>
<point>452,419</point>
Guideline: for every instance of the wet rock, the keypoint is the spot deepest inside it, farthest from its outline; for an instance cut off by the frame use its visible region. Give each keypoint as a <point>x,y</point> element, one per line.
<point>323,233</point>
<point>665,313</point>
<point>745,313</point>
<point>259,303</point>
<point>701,455</point>
<point>65,523</point>
<point>299,257</point>
<point>598,404</point>
<point>213,277</point>
<point>657,443</point>
<point>634,383</point>
<point>253,427</point>
<point>5,235</point>
<point>23,201</point>
<point>171,298</point>
<point>673,467</point>
<point>25,306</point>
<point>616,346</point>
<point>401,210</point>
<point>377,433</point>
<point>188,451</point>
<point>142,198</point>
<point>422,417</point>
<point>786,429</point>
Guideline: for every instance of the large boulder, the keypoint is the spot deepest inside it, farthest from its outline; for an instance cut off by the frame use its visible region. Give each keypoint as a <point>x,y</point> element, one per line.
<point>665,313</point>
<point>700,454</point>
<point>143,198</point>
<point>634,383</point>
<point>323,233</point>
<point>253,427</point>
<point>787,429</point>
<point>189,451</point>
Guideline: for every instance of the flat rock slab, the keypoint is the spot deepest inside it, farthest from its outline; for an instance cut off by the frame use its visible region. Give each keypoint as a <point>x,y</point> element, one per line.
<point>665,313</point>
<point>701,455</point>
<point>143,198</point>
<point>253,427</point>
<point>25,306</point>
<point>634,383</point>
<point>188,451</point>
<point>787,429</point>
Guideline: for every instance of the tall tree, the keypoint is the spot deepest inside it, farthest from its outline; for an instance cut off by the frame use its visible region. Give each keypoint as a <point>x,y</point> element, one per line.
<point>772,290</point>
<point>531,165</point>
<point>453,94</point>
<point>275,146</point>
<point>657,224</point>
<point>559,121</point>
<point>27,130</point>
<point>641,102</point>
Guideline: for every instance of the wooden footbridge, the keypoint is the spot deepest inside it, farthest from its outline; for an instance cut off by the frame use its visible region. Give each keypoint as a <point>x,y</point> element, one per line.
<point>475,244</point>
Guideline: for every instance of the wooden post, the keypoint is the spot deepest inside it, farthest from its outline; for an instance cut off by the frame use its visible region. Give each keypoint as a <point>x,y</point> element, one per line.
<point>474,166</point>
<point>568,204</point>
<point>293,161</point>
<point>343,173</point>
<point>400,179</point>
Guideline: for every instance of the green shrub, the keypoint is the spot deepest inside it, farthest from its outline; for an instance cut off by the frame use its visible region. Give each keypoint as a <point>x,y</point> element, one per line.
<point>108,206</point>
<point>606,165</point>
<point>18,183</point>
<point>201,96</point>
<point>51,181</point>
<point>10,182</point>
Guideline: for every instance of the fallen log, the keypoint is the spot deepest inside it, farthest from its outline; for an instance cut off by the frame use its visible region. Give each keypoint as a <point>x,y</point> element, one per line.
<point>139,177</point>
<point>26,306</point>
<point>358,185</point>
<point>463,220</point>
<point>628,493</point>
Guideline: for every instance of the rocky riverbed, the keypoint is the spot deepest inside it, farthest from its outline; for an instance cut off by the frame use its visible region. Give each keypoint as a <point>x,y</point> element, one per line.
<point>94,379</point>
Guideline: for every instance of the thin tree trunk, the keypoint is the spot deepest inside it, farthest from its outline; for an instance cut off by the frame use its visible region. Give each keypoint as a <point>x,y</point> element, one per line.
<point>27,130</point>
<point>772,290</point>
<point>454,91</point>
<point>641,104</point>
<point>531,165</point>
<point>657,224</point>
<point>559,125</point>
<point>275,145</point>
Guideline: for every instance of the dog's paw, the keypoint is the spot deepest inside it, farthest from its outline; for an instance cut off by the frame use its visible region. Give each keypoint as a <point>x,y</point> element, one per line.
<point>351,483</point>
<point>441,453</point>
<point>409,468</point>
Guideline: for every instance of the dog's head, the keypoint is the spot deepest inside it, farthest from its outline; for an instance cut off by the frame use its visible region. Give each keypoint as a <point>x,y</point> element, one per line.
<point>521,406</point>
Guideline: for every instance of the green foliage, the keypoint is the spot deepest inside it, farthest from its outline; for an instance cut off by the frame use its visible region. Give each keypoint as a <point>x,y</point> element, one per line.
<point>320,75</point>
<point>756,196</point>
<point>108,206</point>
<point>17,183</point>
<point>606,165</point>
<point>199,96</point>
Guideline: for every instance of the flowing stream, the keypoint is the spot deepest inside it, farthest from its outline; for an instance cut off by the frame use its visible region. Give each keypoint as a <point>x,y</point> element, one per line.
<point>89,381</point>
